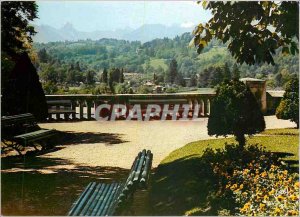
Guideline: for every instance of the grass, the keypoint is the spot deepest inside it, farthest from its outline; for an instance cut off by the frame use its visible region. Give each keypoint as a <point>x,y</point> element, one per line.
<point>178,187</point>
<point>155,63</point>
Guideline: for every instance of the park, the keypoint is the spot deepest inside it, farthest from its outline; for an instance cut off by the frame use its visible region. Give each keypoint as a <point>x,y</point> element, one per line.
<point>201,122</point>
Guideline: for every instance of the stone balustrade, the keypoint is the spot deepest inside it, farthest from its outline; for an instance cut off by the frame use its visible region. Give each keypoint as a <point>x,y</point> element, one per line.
<point>84,105</point>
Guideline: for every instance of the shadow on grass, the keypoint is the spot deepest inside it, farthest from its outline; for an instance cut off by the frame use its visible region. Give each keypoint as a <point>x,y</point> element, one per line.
<point>180,186</point>
<point>42,186</point>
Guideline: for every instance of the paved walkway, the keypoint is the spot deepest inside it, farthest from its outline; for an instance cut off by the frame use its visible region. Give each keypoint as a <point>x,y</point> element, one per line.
<point>117,143</point>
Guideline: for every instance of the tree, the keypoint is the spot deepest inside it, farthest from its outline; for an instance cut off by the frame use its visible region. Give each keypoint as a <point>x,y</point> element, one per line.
<point>226,72</point>
<point>90,77</point>
<point>173,70</point>
<point>179,80</point>
<point>104,76</point>
<point>234,110</point>
<point>288,108</point>
<point>217,76</point>
<point>253,30</point>
<point>42,55</point>
<point>20,87</point>
<point>121,77</point>
<point>193,81</point>
<point>16,33</point>
<point>236,74</point>
<point>111,80</point>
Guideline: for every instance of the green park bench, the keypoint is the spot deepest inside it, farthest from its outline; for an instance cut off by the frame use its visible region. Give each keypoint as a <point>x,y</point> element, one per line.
<point>61,107</point>
<point>19,131</point>
<point>101,199</point>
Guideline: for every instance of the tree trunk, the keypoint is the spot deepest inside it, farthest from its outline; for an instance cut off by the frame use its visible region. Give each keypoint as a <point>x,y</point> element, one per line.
<point>240,138</point>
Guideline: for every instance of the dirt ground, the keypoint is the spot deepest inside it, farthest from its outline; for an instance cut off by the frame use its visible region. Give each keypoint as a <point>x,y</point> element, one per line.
<point>115,144</point>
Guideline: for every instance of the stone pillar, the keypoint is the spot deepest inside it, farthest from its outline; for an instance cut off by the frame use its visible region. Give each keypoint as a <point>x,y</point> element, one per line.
<point>258,88</point>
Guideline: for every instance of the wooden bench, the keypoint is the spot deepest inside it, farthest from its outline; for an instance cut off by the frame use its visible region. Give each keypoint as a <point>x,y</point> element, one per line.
<point>19,131</point>
<point>61,107</point>
<point>100,199</point>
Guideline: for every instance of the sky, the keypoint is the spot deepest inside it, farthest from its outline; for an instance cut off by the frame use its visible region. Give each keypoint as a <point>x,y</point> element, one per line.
<point>111,15</point>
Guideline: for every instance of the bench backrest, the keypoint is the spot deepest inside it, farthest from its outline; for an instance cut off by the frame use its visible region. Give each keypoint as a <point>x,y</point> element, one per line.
<point>17,119</point>
<point>138,177</point>
<point>17,124</point>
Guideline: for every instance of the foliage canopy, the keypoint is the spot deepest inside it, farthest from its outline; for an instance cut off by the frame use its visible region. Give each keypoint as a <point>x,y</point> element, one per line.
<point>235,111</point>
<point>254,30</point>
<point>288,108</point>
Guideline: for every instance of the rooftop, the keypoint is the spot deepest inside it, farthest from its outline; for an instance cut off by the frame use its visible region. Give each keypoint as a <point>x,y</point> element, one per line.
<point>251,79</point>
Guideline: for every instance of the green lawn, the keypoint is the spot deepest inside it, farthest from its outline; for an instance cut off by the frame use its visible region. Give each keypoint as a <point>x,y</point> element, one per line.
<point>178,188</point>
<point>155,63</point>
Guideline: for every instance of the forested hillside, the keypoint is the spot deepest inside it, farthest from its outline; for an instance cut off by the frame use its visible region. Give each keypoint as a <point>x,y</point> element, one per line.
<point>59,58</point>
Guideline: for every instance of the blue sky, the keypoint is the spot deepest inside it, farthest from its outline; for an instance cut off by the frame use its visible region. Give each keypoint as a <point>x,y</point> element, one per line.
<point>112,15</point>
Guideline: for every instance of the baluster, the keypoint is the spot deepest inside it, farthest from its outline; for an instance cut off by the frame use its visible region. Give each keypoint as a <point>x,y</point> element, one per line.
<point>89,107</point>
<point>73,107</point>
<point>57,114</point>
<point>81,104</point>
<point>204,107</point>
<point>208,107</point>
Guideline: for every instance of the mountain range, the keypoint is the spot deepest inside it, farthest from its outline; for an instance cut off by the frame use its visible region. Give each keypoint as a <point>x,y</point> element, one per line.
<point>147,32</point>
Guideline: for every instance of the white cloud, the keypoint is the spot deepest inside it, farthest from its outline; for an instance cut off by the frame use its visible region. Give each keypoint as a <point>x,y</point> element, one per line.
<point>187,24</point>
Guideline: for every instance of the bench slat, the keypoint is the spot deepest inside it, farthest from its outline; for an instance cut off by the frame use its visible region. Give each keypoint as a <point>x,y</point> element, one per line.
<point>90,200</point>
<point>101,199</point>
<point>15,119</point>
<point>109,201</point>
<point>140,166</point>
<point>83,200</point>
<point>36,135</point>
<point>105,200</point>
<point>79,199</point>
<point>94,203</point>
<point>147,168</point>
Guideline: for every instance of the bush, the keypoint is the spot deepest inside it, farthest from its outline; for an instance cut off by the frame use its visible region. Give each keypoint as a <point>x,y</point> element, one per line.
<point>250,182</point>
<point>102,88</point>
<point>265,192</point>
<point>288,108</point>
<point>50,88</point>
<point>234,110</point>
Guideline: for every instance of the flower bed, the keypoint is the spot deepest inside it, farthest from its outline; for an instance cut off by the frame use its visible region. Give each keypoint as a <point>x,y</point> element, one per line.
<point>254,180</point>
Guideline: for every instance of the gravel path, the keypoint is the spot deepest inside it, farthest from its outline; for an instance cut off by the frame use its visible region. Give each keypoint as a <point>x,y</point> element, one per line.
<point>117,143</point>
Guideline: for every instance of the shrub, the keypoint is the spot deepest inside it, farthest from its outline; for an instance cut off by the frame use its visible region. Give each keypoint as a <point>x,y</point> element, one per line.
<point>250,182</point>
<point>235,111</point>
<point>288,108</point>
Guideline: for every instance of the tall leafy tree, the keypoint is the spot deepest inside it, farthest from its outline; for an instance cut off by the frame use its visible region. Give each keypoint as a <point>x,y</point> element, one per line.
<point>226,72</point>
<point>253,30</point>
<point>104,76</point>
<point>288,108</point>
<point>21,90</point>
<point>173,70</point>
<point>16,33</point>
<point>236,74</point>
<point>90,77</point>
<point>234,110</point>
<point>42,55</point>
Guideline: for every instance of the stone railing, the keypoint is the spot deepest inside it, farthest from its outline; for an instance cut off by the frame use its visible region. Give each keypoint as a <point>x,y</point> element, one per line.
<point>84,105</point>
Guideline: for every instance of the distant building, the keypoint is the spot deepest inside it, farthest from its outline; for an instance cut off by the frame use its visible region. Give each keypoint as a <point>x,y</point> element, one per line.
<point>159,89</point>
<point>273,99</point>
<point>149,84</point>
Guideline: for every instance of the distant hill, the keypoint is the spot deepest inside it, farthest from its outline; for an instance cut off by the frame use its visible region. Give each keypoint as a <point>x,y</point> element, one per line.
<point>144,33</point>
